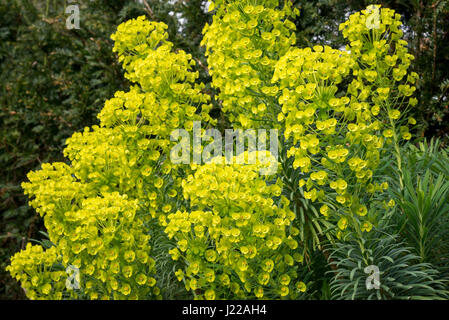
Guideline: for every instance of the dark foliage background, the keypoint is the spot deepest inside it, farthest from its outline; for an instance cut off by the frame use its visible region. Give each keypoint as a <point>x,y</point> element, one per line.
<point>53,81</point>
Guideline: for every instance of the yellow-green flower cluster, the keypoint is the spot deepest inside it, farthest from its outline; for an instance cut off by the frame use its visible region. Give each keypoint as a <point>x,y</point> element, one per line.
<point>135,39</point>
<point>39,272</point>
<point>96,209</point>
<point>167,96</point>
<point>243,45</point>
<point>231,224</point>
<point>108,243</point>
<point>237,241</point>
<point>102,236</point>
<point>381,76</point>
<point>336,138</point>
<point>167,91</point>
<point>125,160</point>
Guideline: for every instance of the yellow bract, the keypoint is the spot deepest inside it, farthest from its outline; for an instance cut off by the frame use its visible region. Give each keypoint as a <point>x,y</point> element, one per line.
<point>243,47</point>
<point>242,228</point>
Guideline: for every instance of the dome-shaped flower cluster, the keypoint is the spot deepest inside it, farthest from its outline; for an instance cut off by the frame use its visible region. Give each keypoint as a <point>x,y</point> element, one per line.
<point>238,240</point>
<point>337,137</point>
<point>38,273</point>
<point>96,209</point>
<point>243,44</point>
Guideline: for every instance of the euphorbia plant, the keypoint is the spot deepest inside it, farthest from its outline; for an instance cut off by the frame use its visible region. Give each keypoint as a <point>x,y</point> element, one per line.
<point>236,233</point>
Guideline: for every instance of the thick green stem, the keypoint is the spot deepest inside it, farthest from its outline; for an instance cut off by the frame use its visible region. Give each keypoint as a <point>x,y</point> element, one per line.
<point>360,236</point>
<point>397,154</point>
